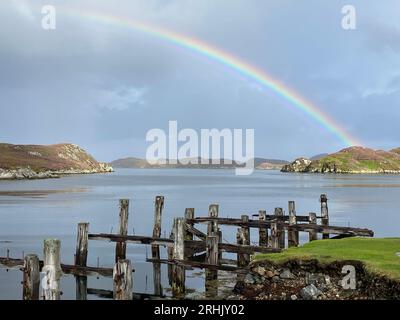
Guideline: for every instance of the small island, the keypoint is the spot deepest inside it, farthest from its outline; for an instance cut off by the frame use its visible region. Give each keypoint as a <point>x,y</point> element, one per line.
<point>18,162</point>
<point>353,160</point>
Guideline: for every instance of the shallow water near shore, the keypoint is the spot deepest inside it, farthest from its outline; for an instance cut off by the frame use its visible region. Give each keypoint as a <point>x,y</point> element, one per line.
<point>31,211</point>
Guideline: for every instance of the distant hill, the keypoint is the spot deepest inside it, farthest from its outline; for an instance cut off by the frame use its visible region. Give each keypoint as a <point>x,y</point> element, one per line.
<point>39,161</point>
<point>350,160</point>
<point>259,163</point>
<point>319,156</point>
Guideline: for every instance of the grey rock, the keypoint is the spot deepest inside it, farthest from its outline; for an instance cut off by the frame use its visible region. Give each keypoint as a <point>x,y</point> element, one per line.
<point>293,297</point>
<point>286,274</point>
<point>310,292</point>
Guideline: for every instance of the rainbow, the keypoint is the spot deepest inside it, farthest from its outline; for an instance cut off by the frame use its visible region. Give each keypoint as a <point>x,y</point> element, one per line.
<point>234,63</point>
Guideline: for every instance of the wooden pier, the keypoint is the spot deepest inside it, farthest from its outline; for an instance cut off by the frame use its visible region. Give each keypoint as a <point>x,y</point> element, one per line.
<point>188,247</point>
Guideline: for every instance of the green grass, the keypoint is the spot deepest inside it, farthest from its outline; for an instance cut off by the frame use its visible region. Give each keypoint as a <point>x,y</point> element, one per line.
<point>379,255</point>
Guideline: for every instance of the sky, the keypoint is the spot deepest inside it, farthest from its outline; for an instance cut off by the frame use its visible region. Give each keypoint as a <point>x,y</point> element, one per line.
<point>103,86</point>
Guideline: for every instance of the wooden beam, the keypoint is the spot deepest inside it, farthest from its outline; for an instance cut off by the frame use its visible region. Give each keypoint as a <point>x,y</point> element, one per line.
<point>120,248</point>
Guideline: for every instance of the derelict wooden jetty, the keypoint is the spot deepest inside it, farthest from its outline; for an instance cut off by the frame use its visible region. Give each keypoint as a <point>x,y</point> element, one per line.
<point>187,247</point>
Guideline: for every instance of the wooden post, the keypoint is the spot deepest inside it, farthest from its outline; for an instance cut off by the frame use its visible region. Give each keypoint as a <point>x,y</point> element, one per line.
<point>213,213</point>
<point>120,249</point>
<point>275,235</point>
<point>212,249</point>
<point>241,261</point>
<point>123,280</point>
<point>189,214</point>
<point>155,249</point>
<point>31,278</point>
<point>82,244</point>
<point>52,269</point>
<point>324,214</point>
<point>178,277</point>
<point>211,285</point>
<point>312,221</point>
<point>263,232</point>
<point>246,237</point>
<point>281,231</point>
<point>293,235</point>
<point>170,253</point>
<point>81,287</point>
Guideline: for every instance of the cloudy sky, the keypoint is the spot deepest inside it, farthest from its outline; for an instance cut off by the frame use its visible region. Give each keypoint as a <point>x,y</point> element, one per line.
<point>103,87</point>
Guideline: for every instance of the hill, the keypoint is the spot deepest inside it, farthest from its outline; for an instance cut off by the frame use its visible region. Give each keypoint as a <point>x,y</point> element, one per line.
<point>259,163</point>
<point>39,161</point>
<point>357,160</point>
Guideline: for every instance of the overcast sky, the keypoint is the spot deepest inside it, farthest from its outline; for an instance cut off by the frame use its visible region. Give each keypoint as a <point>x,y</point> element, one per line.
<point>103,87</point>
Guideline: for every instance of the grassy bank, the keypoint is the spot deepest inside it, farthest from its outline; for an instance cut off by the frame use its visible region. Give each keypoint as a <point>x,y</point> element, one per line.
<point>379,255</point>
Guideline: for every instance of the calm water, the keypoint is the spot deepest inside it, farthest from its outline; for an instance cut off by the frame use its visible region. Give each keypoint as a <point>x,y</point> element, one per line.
<point>31,211</point>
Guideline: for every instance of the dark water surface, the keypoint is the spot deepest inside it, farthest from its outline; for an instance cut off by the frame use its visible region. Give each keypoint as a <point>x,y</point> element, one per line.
<point>31,211</point>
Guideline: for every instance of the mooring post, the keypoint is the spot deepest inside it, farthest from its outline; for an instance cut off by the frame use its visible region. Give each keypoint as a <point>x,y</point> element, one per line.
<point>155,249</point>
<point>82,240</point>
<point>52,269</point>
<point>279,213</point>
<point>178,276</point>
<point>246,236</point>
<point>324,214</point>
<point>275,235</point>
<point>262,232</point>
<point>212,213</point>
<point>123,280</point>
<point>189,215</point>
<point>120,248</point>
<point>293,234</point>
<point>312,219</point>
<point>31,278</point>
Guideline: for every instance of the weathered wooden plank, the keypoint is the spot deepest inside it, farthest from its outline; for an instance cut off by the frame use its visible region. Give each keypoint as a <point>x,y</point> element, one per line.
<point>178,273</point>
<point>212,224</point>
<point>81,287</point>
<point>262,232</point>
<point>155,249</point>
<point>281,228</point>
<point>120,248</point>
<point>324,214</point>
<point>246,238</point>
<point>313,221</point>
<point>212,249</point>
<point>31,278</point>
<point>66,269</point>
<point>193,231</point>
<point>52,269</point>
<point>293,235</point>
<point>82,244</point>
<point>122,280</point>
<point>190,230</point>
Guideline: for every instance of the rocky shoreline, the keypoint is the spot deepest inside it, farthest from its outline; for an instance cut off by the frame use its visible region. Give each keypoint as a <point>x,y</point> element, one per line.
<point>30,174</point>
<point>311,280</point>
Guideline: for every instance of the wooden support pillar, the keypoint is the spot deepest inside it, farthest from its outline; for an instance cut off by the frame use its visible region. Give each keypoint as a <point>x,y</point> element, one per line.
<point>324,214</point>
<point>170,253</point>
<point>81,287</point>
<point>31,278</point>
<point>178,276</point>
<point>280,225</point>
<point>155,249</point>
<point>52,269</point>
<point>263,232</point>
<point>246,237</point>
<point>293,235</point>
<point>213,213</point>
<point>82,241</point>
<point>241,261</point>
<point>275,235</point>
<point>212,249</point>
<point>123,280</point>
<point>120,249</point>
<point>189,215</point>
<point>312,221</point>
<point>212,256</point>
